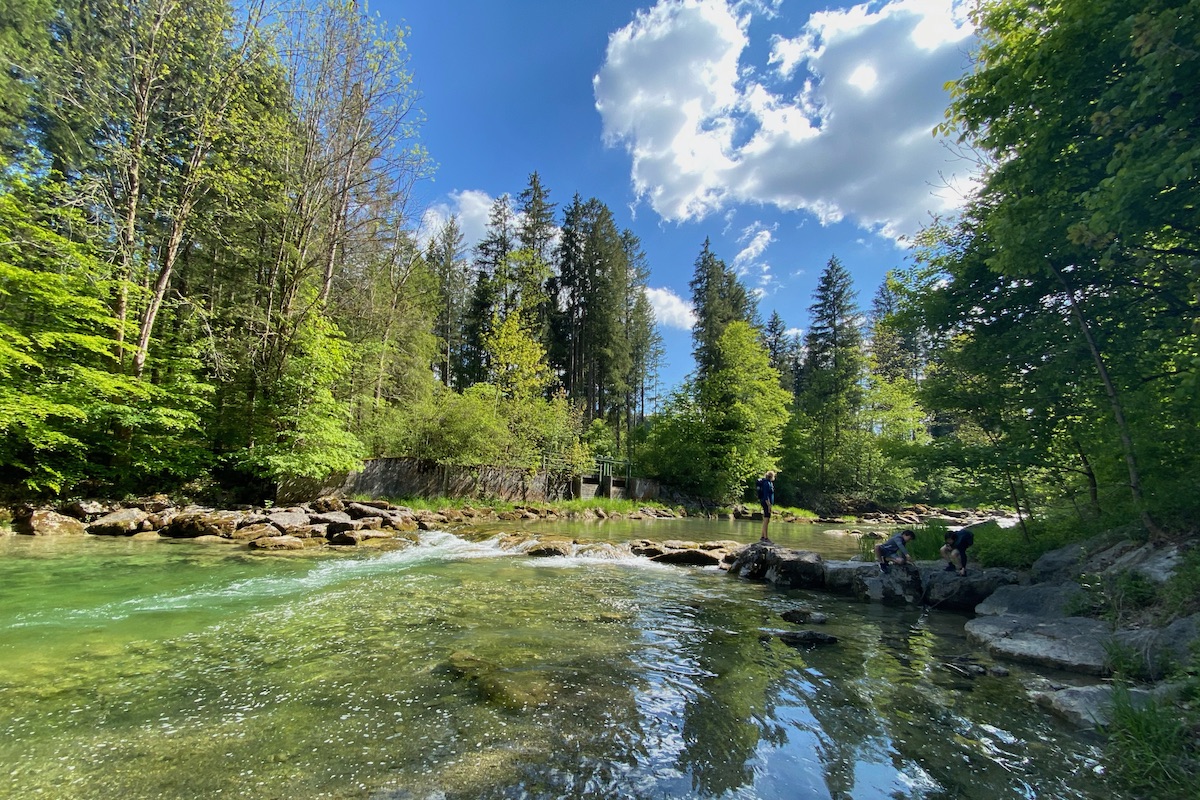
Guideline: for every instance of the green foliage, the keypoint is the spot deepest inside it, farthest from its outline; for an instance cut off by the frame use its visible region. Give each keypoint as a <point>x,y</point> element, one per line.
<point>712,437</point>
<point>1181,594</point>
<point>1068,288</point>
<point>303,429</point>
<point>1151,750</point>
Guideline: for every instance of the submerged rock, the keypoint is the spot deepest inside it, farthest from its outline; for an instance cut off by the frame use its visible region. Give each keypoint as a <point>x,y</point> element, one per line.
<point>803,616</point>
<point>806,638</point>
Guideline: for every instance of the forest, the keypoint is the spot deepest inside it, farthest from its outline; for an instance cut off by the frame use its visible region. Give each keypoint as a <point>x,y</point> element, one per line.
<point>211,275</point>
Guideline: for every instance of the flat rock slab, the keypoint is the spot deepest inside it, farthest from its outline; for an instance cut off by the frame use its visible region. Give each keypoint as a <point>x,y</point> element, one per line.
<point>1076,644</point>
<point>1039,600</point>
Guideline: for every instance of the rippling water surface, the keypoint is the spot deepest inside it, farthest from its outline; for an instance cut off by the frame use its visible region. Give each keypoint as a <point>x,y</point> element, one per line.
<point>457,669</point>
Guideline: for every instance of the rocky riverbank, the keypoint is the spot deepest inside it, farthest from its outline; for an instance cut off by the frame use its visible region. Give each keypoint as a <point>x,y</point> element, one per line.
<point>1035,618</point>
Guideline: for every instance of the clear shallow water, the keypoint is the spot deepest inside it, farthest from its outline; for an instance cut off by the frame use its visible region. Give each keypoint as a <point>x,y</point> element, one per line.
<point>454,669</point>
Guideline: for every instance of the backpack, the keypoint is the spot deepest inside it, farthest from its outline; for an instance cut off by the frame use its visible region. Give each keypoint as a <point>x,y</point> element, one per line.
<point>762,490</point>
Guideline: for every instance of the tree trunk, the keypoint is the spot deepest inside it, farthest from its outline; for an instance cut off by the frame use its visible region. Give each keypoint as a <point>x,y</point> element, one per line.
<point>1114,399</point>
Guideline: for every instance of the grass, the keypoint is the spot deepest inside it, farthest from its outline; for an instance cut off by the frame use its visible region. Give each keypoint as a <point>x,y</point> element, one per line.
<point>1151,748</point>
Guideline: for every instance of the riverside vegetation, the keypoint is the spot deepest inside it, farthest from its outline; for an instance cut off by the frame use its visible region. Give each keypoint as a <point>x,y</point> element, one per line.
<point>190,303</point>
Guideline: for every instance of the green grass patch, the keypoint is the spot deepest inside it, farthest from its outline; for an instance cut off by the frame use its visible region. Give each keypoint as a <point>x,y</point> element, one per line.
<point>1151,747</point>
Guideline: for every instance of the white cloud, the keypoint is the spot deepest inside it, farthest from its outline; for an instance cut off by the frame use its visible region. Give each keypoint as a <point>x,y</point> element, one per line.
<point>838,122</point>
<point>471,207</point>
<point>670,310</point>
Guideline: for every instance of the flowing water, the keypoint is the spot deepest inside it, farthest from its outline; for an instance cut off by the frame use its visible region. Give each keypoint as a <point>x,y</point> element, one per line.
<point>458,669</point>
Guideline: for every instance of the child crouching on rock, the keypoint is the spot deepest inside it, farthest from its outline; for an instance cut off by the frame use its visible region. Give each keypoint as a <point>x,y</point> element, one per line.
<point>955,550</point>
<point>893,551</point>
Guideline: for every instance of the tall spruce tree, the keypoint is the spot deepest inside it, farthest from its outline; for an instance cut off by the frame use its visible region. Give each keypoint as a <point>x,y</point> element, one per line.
<point>830,392</point>
<point>445,256</point>
<point>718,298</point>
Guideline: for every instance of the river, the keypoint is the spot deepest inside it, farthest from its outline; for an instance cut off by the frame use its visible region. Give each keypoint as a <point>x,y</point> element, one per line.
<point>457,669</point>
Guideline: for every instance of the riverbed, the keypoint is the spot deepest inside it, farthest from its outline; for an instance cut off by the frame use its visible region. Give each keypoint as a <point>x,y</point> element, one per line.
<point>455,668</point>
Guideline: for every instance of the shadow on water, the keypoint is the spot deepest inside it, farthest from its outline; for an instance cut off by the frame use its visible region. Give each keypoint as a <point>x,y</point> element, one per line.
<point>456,669</point>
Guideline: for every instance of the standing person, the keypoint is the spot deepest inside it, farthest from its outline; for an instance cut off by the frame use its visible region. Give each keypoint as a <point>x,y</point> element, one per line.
<point>894,550</point>
<point>766,496</point>
<point>955,549</point>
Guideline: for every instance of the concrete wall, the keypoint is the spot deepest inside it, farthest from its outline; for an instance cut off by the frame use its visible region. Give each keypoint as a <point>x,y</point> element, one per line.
<point>405,477</point>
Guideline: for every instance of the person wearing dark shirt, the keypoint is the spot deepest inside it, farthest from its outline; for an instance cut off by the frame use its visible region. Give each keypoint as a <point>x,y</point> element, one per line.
<point>766,496</point>
<point>955,549</point>
<point>894,550</point>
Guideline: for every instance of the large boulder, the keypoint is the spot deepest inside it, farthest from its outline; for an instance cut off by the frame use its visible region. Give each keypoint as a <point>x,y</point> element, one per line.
<point>330,518</point>
<point>840,576</point>
<point>124,522</point>
<point>44,522</point>
<point>1153,652</point>
<point>782,567</point>
<point>899,585</point>
<point>1075,644</point>
<point>953,592</point>
<point>1039,600</point>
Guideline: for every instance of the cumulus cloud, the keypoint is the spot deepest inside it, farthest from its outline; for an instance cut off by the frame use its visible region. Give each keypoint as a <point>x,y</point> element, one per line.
<point>470,206</point>
<point>838,121</point>
<point>670,310</point>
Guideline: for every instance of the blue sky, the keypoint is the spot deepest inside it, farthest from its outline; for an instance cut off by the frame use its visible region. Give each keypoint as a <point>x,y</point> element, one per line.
<point>785,131</point>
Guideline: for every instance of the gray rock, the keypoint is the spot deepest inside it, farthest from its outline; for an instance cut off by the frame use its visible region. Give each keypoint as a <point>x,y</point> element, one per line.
<point>1075,644</point>
<point>1084,706</point>
<point>899,585</point>
<point>125,522</point>
<point>1155,651</point>
<point>953,592</point>
<point>1041,600</point>
<point>1058,565</point>
<point>85,509</point>
<point>1155,562</point>
<point>286,519</point>
<point>330,518</point>
<point>840,575</point>
<point>784,568</point>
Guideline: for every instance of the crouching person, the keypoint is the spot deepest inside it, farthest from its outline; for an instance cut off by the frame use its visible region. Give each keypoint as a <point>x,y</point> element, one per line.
<point>894,550</point>
<point>954,551</point>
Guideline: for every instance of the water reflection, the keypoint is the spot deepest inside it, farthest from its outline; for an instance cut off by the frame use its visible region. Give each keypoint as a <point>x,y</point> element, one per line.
<point>459,670</point>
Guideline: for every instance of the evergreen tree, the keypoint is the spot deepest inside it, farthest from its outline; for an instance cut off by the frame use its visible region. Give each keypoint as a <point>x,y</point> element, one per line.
<point>830,388</point>
<point>718,298</point>
<point>532,262</point>
<point>445,258</point>
<point>781,350</point>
